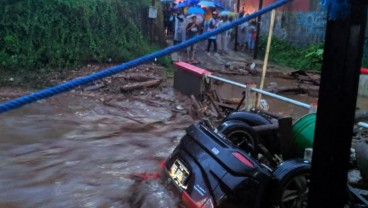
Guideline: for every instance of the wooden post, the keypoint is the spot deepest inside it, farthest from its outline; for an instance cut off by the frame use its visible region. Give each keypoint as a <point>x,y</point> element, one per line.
<point>250,97</point>
<point>336,108</point>
<point>272,23</point>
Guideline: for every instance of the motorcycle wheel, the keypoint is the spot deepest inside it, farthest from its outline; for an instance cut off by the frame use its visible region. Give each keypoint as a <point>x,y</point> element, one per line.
<point>293,185</point>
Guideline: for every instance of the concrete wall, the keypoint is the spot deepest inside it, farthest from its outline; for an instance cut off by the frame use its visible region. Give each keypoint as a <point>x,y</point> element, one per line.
<point>301,22</point>
<point>300,28</point>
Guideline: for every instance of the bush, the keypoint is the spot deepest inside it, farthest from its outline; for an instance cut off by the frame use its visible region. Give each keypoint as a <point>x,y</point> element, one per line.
<point>284,53</point>
<point>37,34</point>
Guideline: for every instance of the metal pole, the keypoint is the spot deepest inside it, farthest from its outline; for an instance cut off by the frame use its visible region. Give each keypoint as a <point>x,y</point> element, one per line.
<point>336,108</point>
<point>295,102</point>
<point>227,81</point>
<point>237,28</point>
<point>258,31</point>
<point>362,124</point>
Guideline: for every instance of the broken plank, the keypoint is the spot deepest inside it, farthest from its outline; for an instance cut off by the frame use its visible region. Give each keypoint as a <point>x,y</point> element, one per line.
<point>140,85</point>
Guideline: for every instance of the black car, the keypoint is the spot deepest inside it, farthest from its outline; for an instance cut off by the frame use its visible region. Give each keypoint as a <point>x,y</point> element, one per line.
<point>232,166</point>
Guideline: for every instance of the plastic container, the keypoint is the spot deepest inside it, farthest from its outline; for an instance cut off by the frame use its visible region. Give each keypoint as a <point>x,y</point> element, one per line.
<point>313,107</point>
<point>303,132</point>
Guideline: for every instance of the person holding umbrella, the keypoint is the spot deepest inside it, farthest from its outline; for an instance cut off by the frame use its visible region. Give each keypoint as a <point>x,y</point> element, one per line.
<point>192,30</point>
<point>179,24</point>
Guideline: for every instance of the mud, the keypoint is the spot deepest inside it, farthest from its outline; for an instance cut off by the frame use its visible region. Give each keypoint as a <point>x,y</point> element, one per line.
<point>90,149</point>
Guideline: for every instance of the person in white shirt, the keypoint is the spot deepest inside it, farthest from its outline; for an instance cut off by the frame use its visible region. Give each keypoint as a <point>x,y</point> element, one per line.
<point>224,38</point>
<point>179,27</point>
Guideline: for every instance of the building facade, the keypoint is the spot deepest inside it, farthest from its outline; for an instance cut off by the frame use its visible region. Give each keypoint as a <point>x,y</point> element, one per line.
<point>301,22</point>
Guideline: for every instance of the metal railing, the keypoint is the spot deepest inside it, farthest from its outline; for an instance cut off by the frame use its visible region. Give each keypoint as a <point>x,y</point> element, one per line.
<point>285,99</point>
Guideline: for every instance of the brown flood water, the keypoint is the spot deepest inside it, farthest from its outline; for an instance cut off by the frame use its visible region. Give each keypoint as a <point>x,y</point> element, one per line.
<point>73,151</point>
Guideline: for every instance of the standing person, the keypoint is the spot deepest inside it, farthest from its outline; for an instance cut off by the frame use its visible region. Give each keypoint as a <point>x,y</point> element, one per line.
<point>171,25</point>
<point>242,12</point>
<point>166,13</point>
<point>211,25</point>
<point>224,37</point>
<point>251,35</point>
<point>179,30</point>
<point>207,17</point>
<point>242,36</point>
<point>192,30</point>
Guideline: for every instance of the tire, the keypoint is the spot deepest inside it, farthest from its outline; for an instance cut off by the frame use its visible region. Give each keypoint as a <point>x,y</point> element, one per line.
<point>293,179</point>
<point>252,119</point>
<point>270,140</point>
<point>240,135</point>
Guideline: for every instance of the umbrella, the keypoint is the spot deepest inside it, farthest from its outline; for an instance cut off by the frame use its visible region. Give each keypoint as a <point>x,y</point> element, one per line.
<point>219,5</point>
<point>181,5</point>
<point>195,10</point>
<point>227,13</point>
<point>192,2</point>
<point>207,4</point>
<point>199,18</point>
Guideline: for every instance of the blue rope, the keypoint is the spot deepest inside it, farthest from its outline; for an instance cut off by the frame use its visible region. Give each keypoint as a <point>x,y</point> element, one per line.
<point>337,9</point>
<point>46,93</point>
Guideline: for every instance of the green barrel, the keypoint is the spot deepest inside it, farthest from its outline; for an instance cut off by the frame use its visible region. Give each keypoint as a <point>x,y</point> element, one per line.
<point>303,132</point>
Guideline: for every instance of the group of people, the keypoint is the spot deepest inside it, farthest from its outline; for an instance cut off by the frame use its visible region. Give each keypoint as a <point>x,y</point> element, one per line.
<point>185,27</point>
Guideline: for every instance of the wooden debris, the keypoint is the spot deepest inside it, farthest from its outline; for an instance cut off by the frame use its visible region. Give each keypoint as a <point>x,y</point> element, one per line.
<point>226,107</point>
<point>287,90</point>
<point>231,101</point>
<point>215,106</point>
<point>311,90</point>
<point>307,77</point>
<point>138,77</point>
<point>140,85</point>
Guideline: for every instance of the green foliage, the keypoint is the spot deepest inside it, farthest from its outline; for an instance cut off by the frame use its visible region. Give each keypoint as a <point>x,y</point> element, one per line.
<point>282,52</point>
<point>38,34</point>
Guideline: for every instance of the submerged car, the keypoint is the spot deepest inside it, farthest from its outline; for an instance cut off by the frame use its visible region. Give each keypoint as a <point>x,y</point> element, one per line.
<point>234,166</point>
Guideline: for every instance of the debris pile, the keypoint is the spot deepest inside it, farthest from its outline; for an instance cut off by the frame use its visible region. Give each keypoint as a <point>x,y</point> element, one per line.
<point>308,81</point>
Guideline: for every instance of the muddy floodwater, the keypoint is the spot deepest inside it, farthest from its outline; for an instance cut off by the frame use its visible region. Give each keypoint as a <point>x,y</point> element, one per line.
<point>75,151</point>
<point>85,150</point>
